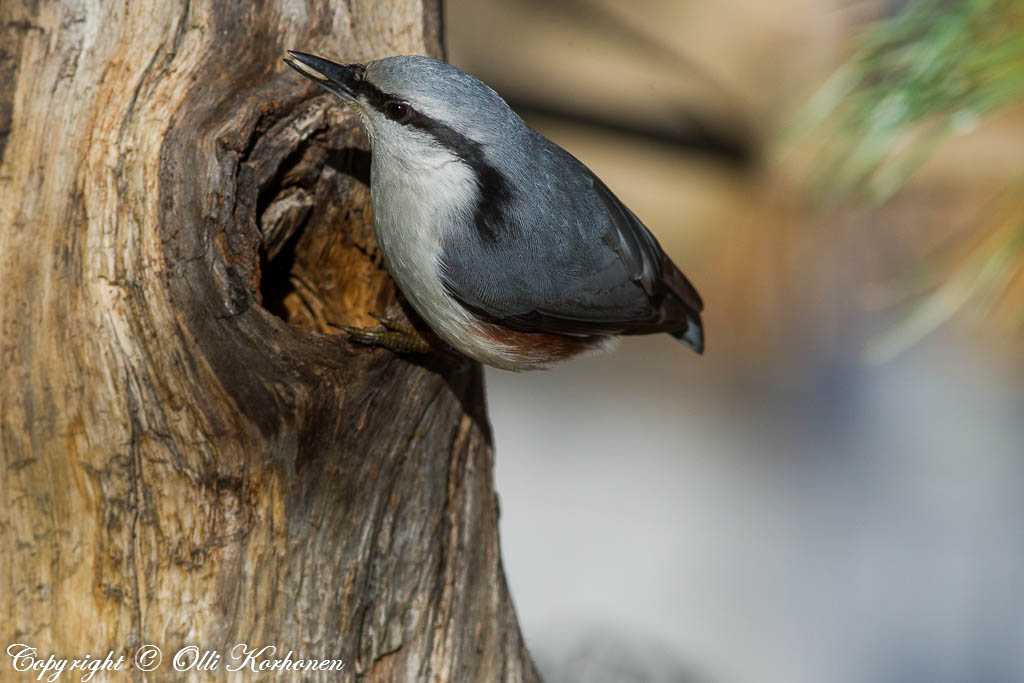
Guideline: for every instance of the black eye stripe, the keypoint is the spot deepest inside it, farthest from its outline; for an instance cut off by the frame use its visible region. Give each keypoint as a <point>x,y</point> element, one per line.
<point>495,191</point>
<point>382,101</point>
<point>374,95</point>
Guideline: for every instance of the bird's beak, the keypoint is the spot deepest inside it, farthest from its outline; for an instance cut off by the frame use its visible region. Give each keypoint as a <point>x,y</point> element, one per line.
<point>340,79</point>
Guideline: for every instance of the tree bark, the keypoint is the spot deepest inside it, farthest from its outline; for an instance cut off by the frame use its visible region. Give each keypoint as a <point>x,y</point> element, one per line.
<point>188,458</point>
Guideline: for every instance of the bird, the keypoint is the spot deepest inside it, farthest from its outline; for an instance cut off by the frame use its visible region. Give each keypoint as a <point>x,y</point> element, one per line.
<point>509,248</point>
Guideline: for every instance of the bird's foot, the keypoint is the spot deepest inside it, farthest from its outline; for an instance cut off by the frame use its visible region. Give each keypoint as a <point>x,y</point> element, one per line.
<point>398,336</point>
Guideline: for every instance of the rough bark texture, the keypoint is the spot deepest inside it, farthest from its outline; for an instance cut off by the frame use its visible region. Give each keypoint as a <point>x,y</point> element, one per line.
<point>186,457</point>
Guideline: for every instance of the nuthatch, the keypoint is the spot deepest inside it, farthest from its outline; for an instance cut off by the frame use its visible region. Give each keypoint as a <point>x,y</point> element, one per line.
<point>507,246</point>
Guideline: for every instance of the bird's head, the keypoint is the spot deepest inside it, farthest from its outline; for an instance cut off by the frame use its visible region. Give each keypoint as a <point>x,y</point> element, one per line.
<point>417,110</point>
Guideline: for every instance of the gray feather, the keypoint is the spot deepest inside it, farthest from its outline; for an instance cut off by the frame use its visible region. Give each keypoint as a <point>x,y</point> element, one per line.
<point>570,259</point>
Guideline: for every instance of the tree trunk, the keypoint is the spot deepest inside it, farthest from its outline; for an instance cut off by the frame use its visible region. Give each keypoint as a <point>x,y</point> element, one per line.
<point>188,458</point>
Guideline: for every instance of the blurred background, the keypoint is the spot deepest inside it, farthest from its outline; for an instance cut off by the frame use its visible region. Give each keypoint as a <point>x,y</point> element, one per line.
<point>835,491</point>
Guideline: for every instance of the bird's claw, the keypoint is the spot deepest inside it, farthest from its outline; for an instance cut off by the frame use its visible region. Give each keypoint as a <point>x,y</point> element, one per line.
<point>397,336</point>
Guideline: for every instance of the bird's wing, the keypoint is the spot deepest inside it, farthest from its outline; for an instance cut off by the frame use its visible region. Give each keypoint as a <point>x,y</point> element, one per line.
<point>643,257</point>
<point>585,266</point>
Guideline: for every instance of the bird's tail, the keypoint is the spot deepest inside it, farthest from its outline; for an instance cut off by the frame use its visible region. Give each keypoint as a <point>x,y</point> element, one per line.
<point>693,334</point>
<point>685,304</point>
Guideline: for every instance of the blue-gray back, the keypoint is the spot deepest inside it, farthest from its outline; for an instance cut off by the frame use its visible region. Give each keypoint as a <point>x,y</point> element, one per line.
<point>563,253</point>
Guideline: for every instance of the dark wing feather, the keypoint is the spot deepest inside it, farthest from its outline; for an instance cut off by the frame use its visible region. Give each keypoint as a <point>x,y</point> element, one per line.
<point>643,257</point>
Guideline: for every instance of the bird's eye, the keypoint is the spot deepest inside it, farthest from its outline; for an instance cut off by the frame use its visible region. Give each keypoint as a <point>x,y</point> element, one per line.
<point>397,111</point>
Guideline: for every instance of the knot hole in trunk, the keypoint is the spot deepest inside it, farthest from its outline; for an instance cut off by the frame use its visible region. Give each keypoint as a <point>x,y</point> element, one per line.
<point>305,183</point>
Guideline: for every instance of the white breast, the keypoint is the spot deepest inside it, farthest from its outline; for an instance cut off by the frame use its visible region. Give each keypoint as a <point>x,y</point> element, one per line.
<point>415,205</point>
